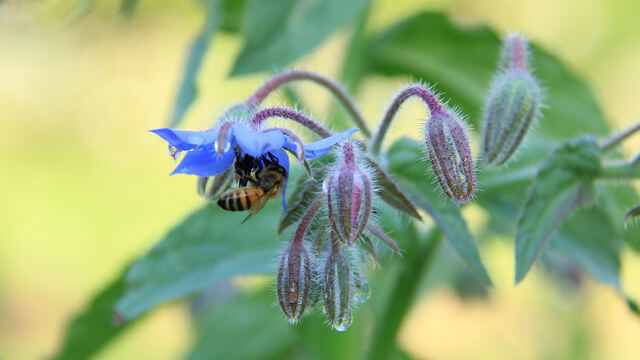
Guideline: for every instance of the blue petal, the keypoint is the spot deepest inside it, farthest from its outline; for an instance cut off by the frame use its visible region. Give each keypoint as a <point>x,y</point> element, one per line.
<point>320,147</point>
<point>204,161</point>
<point>257,144</point>
<point>283,160</point>
<point>185,139</point>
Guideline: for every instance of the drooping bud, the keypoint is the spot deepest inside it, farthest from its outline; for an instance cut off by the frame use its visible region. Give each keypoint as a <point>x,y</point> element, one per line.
<point>348,191</point>
<point>294,281</point>
<point>450,156</point>
<point>513,104</point>
<point>338,288</point>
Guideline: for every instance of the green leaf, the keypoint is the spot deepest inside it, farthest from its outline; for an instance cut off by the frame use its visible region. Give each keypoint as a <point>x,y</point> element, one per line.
<point>406,162</point>
<point>128,7</point>
<point>590,238</point>
<point>247,327</point>
<point>556,192</point>
<point>188,90</point>
<point>389,192</point>
<point>209,246</point>
<point>279,32</point>
<point>461,61</point>
<point>94,327</point>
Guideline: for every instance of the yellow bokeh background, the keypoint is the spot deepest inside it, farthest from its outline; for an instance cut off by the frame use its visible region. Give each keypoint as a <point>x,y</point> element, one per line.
<point>85,189</point>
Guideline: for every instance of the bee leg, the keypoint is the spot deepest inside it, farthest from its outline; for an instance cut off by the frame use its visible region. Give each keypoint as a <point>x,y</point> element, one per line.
<point>245,219</point>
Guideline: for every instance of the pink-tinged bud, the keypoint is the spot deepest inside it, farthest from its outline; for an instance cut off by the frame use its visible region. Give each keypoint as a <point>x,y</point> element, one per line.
<point>338,289</point>
<point>450,156</point>
<point>514,103</point>
<point>348,192</point>
<point>294,281</point>
<point>514,53</point>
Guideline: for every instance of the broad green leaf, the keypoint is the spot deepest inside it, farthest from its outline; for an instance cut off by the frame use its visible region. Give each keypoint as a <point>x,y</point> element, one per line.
<point>233,11</point>
<point>405,160</point>
<point>94,327</point>
<point>188,90</point>
<point>590,238</point>
<point>278,32</point>
<point>461,62</point>
<point>556,192</point>
<point>208,246</point>
<point>246,327</point>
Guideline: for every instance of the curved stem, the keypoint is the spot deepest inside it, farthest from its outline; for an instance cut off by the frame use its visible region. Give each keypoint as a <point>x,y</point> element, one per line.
<point>290,114</point>
<point>618,138</point>
<point>330,85</point>
<point>423,93</point>
<point>416,262</point>
<point>306,219</point>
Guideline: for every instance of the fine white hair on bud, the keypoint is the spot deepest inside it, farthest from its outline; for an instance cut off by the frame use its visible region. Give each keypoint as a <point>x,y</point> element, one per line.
<point>349,192</point>
<point>293,283</point>
<point>450,155</point>
<point>338,288</point>
<point>513,104</point>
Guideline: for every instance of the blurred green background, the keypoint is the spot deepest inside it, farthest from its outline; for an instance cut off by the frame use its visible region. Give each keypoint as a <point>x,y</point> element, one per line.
<point>85,188</point>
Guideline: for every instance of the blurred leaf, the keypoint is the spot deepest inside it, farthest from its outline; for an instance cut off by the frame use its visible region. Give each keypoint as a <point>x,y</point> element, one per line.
<point>279,32</point>
<point>209,246</point>
<point>128,7</point>
<point>301,197</point>
<point>233,11</point>
<point>389,192</point>
<point>188,90</point>
<point>405,160</point>
<point>618,199</point>
<point>94,327</point>
<point>589,237</point>
<point>632,214</point>
<point>461,62</point>
<point>245,328</point>
<point>556,192</point>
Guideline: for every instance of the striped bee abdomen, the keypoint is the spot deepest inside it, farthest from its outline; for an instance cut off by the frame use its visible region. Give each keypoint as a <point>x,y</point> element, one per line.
<point>240,199</point>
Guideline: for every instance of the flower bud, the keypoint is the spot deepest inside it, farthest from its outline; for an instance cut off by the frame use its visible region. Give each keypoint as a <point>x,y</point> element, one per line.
<point>348,192</point>
<point>338,289</point>
<point>450,156</point>
<point>294,281</point>
<point>513,105</point>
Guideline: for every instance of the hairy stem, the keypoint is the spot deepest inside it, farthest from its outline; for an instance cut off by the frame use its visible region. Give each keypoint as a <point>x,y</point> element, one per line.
<point>618,138</point>
<point>308,216</point>
<point>290,114</point>
<point>416,262</point>
<point>420,91</point>
<point>330,85</point>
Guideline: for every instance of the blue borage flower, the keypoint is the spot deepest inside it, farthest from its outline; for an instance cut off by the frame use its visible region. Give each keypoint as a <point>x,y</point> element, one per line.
<point>208,153</point>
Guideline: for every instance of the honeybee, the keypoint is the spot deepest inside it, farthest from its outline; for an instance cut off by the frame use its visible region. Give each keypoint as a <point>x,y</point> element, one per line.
<point>267,183</point>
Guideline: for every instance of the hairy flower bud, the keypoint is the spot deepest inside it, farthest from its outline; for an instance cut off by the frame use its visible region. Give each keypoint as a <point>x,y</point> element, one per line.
<point>450,156</point>
<point>294,281</point>
<point>338,289</point>
<point>348,191</point>
<point>513,104</point>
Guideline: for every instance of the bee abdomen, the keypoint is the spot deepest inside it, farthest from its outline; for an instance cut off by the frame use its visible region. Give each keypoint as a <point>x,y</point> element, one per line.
<point>240,200</point>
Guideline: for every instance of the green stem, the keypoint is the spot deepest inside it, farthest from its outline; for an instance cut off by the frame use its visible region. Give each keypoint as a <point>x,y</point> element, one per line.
<point>628,170</point>
<point>383,342</point>
<point>618,138</point>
